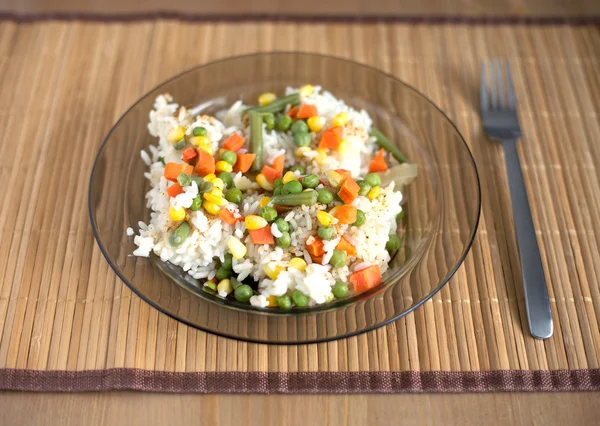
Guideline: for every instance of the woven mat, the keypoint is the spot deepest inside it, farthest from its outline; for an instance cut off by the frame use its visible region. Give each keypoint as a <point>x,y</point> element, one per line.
<point>63,311</point>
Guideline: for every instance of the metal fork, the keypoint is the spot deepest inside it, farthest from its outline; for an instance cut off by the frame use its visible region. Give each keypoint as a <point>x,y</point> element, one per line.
<point>501,123</point>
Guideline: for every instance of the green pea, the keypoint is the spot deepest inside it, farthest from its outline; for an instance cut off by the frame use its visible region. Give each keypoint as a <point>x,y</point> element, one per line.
<point>226,178</point>
<point>310,181</point>
<point>284,302</point>
<point>360,218</point>
<point>400,216</point>
<point>227,261</point>
<point>229,156</point>
<point>199,131</point>
<point>394,242</point>
<point>223,273</point>
<point>301,139</point>
<point>299,127</point>
<point>268,213</point>
<point>277,190</point>
<point>243,293</point>
<point>292,187</point>
<point>373,179</point>
<point>338,259</point>
<point>298,168</point>
<point>179,235</point>
<point>364,188</point>
<point>325,232</point>
<point>184,179</point>
<point>269,120</point>
<point>278,182</point>
<point>340,290</point>
<point>299,298</point>
<point>283,123</point>
<point>197,203</point>
<point>282,225</point>
<point>284,241</point>
<point>233,195</point>
<point>324,196</point>
<point>180,144</point>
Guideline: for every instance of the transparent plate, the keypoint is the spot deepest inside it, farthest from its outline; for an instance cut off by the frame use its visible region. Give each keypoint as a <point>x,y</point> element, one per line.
<point>442,204</point>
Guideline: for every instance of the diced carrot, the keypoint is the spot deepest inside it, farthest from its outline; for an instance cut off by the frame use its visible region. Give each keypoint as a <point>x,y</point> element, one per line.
<point>346,214</point>
<point>366,279</point>
<point>292,112</point>
<point>271,174</point>
<point>317,259</point>
<point>234,142</point>
<point>307,111</point>
<point>244,162</point>
<point>262,236</point>
<point>278,163</point>
<point>349,190</point>
<point>227,216</point>
<point>345,245</point>
<point>205,164</point>
<point>172,170</point>
<point>174,190</point>
<point>378,163</point>
<point>315,247</point>
<point>188,154</point>
<point>331,138</point>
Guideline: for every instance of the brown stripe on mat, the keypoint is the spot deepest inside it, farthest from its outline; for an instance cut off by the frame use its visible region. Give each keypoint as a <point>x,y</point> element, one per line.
<point>301,382</point>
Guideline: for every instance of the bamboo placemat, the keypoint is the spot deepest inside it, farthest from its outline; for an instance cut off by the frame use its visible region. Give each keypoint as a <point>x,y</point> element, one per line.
<point>63,85</point>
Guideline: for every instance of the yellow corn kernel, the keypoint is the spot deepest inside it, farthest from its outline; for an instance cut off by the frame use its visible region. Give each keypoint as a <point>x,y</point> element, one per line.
<point>264,183</point>
<point>207,148</point>
<point>216,191</point>
<point>298,263</point>
<point>301,151</point>
<point>316,124</point>
<point>272,271</point>
<point>200,141</point>
<point>307,90</point>
<point>177,214</point>
<point>288,177</point>
<point>236,248</point>
<point>374,192</point>
<point>209,177</point>
<point>272,301</point>
<point>225,286</point>
<point>218,183</point>
<point>254,222</point>
<point>266,98</point>
<point>343,146</point>
<point>321,157</point>
<point>335,178</point>
<point>211,208</point>
<point>176,134</point>
<point>223,166</point>
<point>264,201</point>
<point>324,218</point>
<point>215,199</point>
<point>340,119</point>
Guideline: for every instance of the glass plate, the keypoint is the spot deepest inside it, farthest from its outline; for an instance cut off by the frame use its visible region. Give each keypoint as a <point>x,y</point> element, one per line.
<point>441,210</point>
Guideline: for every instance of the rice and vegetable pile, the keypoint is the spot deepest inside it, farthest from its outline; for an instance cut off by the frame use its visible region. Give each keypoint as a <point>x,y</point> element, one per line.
<point>288,203</point>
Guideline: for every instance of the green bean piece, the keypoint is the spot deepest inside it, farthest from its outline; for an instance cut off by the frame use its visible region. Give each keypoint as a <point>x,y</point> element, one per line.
<point>179,235</point>
<point>308,198</point>
<point>310,181</point>
<point>284,302</point>
<point>394,242</point>
<point>298,168</point>
<point>229,157</point>
<point>278,182</point>
<point>364,188</point>
<point>277,105</point>
<point>233,195</point>
<point>299,298</point>
<point>203,186</point>
<point>384,142</point>
<point>338,259</point>
<point>277,190</point>
<point>226,178</point>
<point>325,232</point>
<point>235,283</point>
<point>256,140</point>
<point>373,179</point>
<point>360,218</point>
<point>196,203</point>
<point>292,187</point>
<point>243,293</point>
<point>211,285</point>
<point>268,213</point>
<point>283,123</point>
<point>400,216</point>
<point>227,261</point>
<point>199,131</point>
<point>282,225</point>
<point>302,139</point>
<point>209,290</point>
<point>223,273</point>
<point>284,241</point>
<point>340,290</point>
<point>269,120</point>
<point>184,179</point>
<point>180,144</point>
<point>299,126</point>
<point>324,196</point>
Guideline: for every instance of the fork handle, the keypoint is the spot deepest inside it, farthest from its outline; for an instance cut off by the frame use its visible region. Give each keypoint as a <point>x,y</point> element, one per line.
<point>537,301</point>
